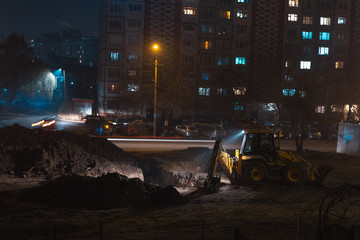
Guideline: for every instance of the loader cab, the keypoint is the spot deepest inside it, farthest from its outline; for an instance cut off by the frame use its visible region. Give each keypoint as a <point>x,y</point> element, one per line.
<point>259,143</point>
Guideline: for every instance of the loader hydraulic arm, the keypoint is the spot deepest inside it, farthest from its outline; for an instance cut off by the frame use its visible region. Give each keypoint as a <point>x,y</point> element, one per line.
<point>218,155</point>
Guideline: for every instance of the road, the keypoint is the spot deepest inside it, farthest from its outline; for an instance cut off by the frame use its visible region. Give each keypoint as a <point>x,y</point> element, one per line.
<point>137,145</point>
<point>150,144</point>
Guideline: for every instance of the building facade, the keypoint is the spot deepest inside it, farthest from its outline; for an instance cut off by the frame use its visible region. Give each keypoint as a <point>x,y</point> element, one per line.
<point>240,59</point>
<point>121,42</point>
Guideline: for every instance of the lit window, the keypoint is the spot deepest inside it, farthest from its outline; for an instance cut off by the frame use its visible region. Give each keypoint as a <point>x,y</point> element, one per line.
<point>224,14</point>
<point>286,63</point>
<point>288,77</point>
<point>293,3</point>
<point>289,92</point>
<point>241,14</point>
<point>323,51</point>
<point>305,64</point>
<point>324,36</point>
<point>132,57</point>
<point>131,73</point>
<point>206,28</point>
<point>302,94</point>
<point>307,20</point>
<point>320,109</point>
<point>292,17</point>
<point>133,87</point>
<point>114,56</point>
<point>242,1</point>
<point>222,92</point>
<point>270,107</point>
<point>325,21</point>
<point>238,107</point>
<point>341,20</point>
<point>306,35</point>
<point>113,88</point>
<point>205,76</point>
<point>339,64</point>
<point>190,10</point>
<point>204,91</point>
<point>206,45</point>
<point>240,60</point>
<point>336,108</point>
<point>222,61</point>
<point>239,91</point>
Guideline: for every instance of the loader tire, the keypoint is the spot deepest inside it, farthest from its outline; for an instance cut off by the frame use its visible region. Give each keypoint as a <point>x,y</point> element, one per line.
<point>295,174</point>
<point>255,172</point>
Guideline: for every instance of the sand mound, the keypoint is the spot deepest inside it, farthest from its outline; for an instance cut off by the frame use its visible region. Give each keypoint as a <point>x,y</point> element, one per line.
<point>107,192</point>
<point>39,153</point>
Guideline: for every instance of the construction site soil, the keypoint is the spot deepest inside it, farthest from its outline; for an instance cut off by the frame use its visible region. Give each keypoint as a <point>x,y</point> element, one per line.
<point>66,185</point>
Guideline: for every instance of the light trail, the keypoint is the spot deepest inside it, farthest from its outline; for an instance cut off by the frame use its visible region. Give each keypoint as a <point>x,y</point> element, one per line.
<point>159,140</point>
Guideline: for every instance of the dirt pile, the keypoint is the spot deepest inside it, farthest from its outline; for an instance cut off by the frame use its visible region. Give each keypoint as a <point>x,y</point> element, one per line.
<point>106,192</point>
<point>38,153</point>
<point>179,167</point>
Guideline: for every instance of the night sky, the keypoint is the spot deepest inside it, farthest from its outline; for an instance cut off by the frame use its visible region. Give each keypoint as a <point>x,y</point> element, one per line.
<point>33,17</point>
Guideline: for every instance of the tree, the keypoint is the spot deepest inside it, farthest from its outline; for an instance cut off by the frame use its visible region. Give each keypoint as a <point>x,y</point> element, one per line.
<point>174,94</point>
<point>18,67</point>
<point>301,113</point>
<point>129,104</point>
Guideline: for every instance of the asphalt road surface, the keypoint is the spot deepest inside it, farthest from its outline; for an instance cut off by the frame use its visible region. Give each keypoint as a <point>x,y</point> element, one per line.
<point>143,145</point>
<point>149,144</point>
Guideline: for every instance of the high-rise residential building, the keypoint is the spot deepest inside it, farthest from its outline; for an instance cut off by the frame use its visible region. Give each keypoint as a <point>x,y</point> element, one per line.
<point>120,50</point>
<point>316,51</point>
<point>240,58</point>
<point>70,44</point>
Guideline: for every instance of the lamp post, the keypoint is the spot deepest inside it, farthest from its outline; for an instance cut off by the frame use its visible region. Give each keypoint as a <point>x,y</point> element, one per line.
<point>155,48</point>
<point>63,73</point>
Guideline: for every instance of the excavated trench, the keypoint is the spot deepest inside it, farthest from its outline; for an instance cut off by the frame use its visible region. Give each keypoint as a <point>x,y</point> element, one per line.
<point>82,172</point>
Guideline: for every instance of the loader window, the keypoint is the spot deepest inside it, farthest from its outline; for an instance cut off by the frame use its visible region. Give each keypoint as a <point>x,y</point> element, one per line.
<point>259,143</point>
<point>252,144</point>
<point>266,143</point>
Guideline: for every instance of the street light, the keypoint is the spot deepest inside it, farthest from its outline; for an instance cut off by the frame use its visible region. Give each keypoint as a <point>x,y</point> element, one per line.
<point>155,49</point>
<point>63,73</point>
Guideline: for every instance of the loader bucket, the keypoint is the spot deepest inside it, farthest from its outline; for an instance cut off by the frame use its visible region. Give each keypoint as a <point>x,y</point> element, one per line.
<point>319,174</point>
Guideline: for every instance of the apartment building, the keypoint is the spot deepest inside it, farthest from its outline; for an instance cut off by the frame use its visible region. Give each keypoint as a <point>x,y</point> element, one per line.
<point>121,42</point>
<point>316,52</point>
<point>240,57</point>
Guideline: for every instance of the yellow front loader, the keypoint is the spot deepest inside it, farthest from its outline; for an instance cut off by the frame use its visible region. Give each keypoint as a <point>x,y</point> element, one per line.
<point>258,158</point>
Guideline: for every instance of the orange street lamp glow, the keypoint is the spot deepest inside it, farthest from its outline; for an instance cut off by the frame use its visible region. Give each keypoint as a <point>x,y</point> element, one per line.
<point>155,48</point>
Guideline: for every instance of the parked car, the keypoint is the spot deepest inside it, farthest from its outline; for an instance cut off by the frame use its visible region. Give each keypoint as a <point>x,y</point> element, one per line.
<point>232,129</point>
<point>333,132</point>
<point>99,125</point>
<point>313,133</point>
<point>187,130</point>
<point>205,122</point>
<point>279,131</point>
<point>212,132</point>
<point>130,129</point>
<point>93,119</point>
